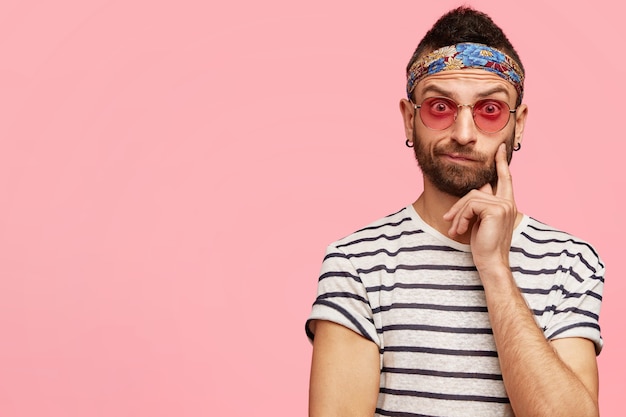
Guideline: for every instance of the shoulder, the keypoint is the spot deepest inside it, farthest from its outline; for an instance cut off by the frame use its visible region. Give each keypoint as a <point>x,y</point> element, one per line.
<point>543,238</point>
<point>388,228</point>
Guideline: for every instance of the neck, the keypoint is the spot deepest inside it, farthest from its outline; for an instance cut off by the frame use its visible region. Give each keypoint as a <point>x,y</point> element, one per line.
<point>431,205</point>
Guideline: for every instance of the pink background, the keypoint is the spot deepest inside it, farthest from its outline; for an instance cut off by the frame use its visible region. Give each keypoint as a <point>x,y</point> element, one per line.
<point>171,172</point>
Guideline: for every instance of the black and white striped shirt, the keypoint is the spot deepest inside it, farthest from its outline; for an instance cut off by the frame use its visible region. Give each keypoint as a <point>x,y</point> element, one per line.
<point>417,295</point>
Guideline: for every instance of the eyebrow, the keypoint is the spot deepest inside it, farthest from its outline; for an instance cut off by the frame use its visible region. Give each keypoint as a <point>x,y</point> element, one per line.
<point>438,90</point>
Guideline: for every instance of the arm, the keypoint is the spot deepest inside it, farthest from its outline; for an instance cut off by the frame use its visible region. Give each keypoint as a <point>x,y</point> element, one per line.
<point>345,372</point>
<point>542,378</point>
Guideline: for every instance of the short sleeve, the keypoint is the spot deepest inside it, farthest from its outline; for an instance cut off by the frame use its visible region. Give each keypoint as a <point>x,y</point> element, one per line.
<point>577,314</point>
<point>341,297</point>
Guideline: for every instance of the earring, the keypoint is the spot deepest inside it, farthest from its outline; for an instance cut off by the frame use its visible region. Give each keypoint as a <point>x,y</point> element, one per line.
<point>408,144</point>
<point>517,147</point>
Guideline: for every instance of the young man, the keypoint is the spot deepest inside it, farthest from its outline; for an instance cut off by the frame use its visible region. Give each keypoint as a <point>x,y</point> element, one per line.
<point>458,304</point>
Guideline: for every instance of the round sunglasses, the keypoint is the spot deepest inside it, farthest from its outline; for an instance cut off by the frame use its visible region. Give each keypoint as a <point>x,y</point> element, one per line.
<point>439,113</point>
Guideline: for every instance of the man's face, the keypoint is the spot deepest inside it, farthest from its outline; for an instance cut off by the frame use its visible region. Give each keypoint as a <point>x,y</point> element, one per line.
<point>461,157</point>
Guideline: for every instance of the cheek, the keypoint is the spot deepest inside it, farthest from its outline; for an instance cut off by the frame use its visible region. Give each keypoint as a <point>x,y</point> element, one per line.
<point>508,139</point>
<point>429,138</point>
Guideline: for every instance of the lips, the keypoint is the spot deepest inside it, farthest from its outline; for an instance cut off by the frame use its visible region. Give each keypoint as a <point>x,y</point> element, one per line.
<point>460,156</point>
<point>455,152</point>
<point>463,157</point>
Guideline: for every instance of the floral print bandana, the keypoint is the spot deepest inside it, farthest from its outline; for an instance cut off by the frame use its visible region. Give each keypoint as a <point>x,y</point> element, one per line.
<point>466,55</point>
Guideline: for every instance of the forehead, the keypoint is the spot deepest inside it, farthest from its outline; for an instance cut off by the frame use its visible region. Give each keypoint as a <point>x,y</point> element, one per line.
<point>466,83</point>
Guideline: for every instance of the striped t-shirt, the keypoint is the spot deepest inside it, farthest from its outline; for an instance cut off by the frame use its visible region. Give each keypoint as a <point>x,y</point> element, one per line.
<point>417,295</point>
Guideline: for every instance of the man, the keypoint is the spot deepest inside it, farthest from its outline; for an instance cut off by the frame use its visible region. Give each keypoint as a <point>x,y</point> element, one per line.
<point>458,304</point>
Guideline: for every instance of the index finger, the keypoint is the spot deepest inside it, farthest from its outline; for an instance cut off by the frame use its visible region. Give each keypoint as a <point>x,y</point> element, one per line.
<point>505,179</point>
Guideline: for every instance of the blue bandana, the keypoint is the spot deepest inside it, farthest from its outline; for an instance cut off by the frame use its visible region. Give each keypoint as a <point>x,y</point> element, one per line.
<point>466,55</point>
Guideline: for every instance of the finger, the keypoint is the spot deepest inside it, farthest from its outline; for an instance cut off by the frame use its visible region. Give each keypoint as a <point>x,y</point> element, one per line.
<point>463,218</point>
<point>487,189</point>
<point>505,179</point>
<point>471,210</point>
<point>456,207</point>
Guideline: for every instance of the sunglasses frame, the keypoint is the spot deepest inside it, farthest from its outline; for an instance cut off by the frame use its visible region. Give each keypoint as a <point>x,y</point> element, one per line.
<point>471,106</point>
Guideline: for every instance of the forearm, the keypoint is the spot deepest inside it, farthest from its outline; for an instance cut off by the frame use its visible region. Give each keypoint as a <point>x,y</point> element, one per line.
<point>537,381</point>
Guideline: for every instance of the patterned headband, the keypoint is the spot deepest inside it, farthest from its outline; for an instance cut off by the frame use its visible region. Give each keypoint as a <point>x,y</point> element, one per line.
<point>466,55</point>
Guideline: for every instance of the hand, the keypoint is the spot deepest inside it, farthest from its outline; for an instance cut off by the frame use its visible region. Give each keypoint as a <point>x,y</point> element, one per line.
<point>491,216</point>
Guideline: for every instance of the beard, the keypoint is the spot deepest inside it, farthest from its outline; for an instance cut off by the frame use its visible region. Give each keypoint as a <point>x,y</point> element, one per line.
<point>457,179</point>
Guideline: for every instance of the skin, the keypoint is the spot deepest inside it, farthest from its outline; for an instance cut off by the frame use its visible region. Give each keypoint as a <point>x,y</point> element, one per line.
<point>542,378</point>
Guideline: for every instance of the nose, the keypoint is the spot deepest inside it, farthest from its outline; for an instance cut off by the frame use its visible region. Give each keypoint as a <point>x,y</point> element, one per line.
<point>464,129</point>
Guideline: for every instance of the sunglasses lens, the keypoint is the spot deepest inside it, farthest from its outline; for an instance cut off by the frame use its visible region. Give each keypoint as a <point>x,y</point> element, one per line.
<point>438,112</point>
<point>491,115</point>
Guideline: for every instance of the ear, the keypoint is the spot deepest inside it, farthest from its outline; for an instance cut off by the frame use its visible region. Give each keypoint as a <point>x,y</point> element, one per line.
<point>520,123</point>
<point>407,110</point>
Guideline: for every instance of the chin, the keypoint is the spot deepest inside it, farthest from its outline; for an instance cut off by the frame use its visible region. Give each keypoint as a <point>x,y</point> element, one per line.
<point>458,182</point>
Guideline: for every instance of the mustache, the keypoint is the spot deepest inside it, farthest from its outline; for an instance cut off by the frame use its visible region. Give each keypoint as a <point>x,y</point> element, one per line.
<point>461,151</point>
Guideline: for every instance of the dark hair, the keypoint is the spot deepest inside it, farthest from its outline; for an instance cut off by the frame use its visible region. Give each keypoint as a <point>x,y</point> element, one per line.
<point>464,24</point>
